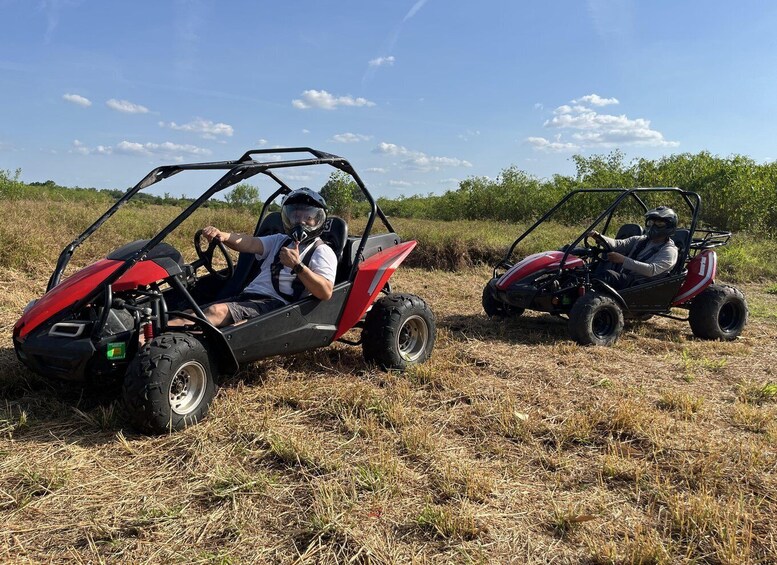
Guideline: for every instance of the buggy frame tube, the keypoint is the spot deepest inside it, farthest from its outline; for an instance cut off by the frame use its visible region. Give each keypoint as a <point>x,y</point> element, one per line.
<point>694,207</point>
<point>237,171</point>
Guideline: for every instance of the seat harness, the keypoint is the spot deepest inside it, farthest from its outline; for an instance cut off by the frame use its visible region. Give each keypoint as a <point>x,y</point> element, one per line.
<point>297,287</point>
<point>638,248</point>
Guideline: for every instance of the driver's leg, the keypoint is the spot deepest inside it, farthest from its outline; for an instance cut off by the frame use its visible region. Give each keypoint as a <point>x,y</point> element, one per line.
<point>217,314</point>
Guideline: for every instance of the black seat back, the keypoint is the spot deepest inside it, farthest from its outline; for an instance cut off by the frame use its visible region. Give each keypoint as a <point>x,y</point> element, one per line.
<point>681,239</point>
<point>628,230</point>
<point>335,235</point>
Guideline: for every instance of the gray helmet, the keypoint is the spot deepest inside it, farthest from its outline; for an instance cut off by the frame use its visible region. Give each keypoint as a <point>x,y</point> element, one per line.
<point>303,213</point>
<point>661,221</point>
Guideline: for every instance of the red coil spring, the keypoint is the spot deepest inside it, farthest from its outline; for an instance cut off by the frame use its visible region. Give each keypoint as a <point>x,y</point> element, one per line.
<point>148,331</point>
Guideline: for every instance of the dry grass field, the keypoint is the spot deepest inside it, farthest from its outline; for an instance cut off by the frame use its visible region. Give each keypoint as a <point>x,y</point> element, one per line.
<point>512,445</point>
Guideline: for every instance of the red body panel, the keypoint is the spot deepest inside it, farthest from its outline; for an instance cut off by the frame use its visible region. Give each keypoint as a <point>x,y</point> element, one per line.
<point>701,273</point>
<point>535,263</point>
<point>80,284</point>
<point>371,277</point>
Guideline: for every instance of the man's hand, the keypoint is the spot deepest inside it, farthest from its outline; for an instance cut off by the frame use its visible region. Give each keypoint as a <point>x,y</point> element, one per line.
<point>212,233</point>
<point>616,258</point>
<point>289,256</point>
<point>595,235</point>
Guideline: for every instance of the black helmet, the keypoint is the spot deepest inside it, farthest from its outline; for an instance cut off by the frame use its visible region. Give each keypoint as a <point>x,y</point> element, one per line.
<point>303,213</point>
<point>661,221</point>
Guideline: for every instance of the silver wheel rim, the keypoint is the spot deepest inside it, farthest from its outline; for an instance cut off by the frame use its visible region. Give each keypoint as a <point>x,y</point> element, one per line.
<point>187,388</point>
<point>412,338</point>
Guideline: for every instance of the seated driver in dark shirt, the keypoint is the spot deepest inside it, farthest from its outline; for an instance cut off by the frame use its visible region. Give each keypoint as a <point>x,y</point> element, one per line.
<point>641,257</point>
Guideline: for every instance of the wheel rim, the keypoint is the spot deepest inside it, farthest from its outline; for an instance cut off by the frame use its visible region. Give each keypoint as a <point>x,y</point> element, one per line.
<point>728,317</point>
<point>187,388</point>
<point>412,338</point>
<point>603,324</point>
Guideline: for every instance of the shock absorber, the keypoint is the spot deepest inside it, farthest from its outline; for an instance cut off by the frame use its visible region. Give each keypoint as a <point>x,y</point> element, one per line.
<point>147,325</point>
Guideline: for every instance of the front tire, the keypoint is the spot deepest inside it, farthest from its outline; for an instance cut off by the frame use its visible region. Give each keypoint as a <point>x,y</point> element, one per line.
<point>170,384</point>
<point>720,312</point>
<point>399,331</point>
<point>595,319</point>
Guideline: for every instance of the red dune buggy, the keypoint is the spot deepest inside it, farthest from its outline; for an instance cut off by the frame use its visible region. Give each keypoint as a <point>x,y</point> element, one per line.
<point>86,328</point>
<point>563,282</point>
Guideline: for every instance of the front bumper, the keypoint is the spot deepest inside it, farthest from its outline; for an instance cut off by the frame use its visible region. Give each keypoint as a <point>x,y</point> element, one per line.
<point>70,359</point>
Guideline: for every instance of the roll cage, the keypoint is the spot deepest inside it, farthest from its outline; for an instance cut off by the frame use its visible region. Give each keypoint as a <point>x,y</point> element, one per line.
<point>236,171</point>
<point>710,238</point>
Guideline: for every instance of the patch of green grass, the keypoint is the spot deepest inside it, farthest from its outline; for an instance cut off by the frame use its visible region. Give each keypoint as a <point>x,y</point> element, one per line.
<point>447,523</point>
<point>684,405</point>
<point>229,483</point>
<point>756,393</point>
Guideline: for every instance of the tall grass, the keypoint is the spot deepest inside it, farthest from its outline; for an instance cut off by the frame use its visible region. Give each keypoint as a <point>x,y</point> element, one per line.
<point>35,231</point>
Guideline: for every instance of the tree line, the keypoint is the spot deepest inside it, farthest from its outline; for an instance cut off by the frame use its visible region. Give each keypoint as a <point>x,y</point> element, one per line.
<point>737,193</point>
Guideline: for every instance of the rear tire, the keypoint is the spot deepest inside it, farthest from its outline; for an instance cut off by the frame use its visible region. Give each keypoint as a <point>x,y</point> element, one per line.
<point>493,307</point>
<point>399,331</point>
<point>720,312</point>
<point>170,384</point>
<point>595,319</point>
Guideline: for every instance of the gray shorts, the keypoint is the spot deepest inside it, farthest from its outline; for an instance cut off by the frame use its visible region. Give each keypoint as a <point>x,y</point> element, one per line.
<point>247,306</point>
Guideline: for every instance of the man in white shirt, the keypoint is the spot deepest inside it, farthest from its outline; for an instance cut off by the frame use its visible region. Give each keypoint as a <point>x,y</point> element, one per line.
<point>294,264</point>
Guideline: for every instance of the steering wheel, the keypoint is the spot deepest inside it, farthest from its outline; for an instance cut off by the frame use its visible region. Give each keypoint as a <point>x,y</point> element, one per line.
<point>599,248</point>
<point>206,257</point>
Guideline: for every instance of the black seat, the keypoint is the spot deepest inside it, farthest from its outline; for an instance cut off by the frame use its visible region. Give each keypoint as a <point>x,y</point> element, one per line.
<point>335,235</point>
<point>628,230</point>
<point>681,239</point>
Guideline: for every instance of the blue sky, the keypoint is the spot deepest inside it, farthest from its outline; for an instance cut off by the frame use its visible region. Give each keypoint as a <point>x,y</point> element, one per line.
<point>417,94</point>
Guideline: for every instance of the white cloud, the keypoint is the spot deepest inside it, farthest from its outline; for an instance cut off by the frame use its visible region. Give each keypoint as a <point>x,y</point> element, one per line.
<point>350,137</point>
<point>126,107</point>
<point>382,61</point>
<point>206,128</point>
<point>547,145</point>
<point>585,127</point>
<point>82,149</point>
<point>401,183</point>
<point>305,131</point>
<point>596,100</point>
<point>414,10</point>
<point>166,150</point>
<point>417,160</point>
<point>78,100</point>
<point>326,101</point>
<point>469,134</point>
<point>298,177</point>
<point>379,170</point>
<point>449,181</point>
<point>262,142</point>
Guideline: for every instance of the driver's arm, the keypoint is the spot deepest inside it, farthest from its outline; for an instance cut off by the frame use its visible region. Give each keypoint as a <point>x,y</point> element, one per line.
<point>318,286</point>
<point>240,242</point>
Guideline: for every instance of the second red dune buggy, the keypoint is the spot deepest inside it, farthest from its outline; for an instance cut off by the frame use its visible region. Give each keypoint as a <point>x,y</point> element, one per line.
<point>564,282</point>
<point>87,327</point>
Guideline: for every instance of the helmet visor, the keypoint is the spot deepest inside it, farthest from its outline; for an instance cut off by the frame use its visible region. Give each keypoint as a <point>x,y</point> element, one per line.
<point>658,222</point>
<point>311,217</point>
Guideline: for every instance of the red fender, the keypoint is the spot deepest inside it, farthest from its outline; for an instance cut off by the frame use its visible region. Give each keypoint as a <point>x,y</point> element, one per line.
<point>701,273</point>
<point>75,287</point>
<point>535,263</point>
<point>371,276</point>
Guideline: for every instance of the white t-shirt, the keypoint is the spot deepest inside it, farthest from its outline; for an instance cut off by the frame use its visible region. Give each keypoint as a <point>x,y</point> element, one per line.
<point>323,262</point>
